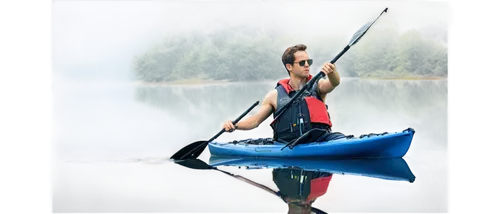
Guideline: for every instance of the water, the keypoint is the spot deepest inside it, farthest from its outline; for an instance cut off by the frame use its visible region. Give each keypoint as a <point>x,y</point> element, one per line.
<point>111,144</point>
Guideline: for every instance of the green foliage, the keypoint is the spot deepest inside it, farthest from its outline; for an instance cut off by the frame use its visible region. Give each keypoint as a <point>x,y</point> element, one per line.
<point>249,54</point>
<point>372,53</point>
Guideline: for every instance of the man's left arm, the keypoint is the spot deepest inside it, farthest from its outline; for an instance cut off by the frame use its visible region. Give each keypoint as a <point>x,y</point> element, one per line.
<point>331,81</point>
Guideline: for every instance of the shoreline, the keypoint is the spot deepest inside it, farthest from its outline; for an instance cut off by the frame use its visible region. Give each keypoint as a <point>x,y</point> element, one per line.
<point>201,83</point>
<point>184,82</point>
<point>408,78</point>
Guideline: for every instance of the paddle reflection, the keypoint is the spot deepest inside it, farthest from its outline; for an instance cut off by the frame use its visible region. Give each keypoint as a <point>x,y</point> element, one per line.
<point>301,182</point>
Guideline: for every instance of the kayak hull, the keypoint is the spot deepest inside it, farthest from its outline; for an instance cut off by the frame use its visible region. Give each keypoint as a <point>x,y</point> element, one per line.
<point>390,145</point>
<point>385,168</point>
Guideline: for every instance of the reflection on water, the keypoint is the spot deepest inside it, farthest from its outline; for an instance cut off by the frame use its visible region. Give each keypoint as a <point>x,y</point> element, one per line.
<point>301,182</point>
<point>388,168</point>
<point>245,185</point>
<point>150,185</point>
<point>297,187</point>
<point>99,129</point>
<point>356,107</point>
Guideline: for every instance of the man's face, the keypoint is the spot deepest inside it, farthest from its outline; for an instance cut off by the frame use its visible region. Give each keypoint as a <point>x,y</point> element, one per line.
<point>297,69</point>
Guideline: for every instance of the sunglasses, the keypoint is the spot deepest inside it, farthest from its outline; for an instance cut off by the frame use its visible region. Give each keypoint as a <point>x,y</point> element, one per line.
<point>303,62</point>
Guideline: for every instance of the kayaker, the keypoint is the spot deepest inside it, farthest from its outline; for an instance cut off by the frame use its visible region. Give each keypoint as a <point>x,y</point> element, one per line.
<point>306,114</point>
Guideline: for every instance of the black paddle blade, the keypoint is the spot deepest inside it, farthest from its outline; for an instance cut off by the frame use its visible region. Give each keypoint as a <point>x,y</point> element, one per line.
<point>191,151</point>
<point>194,164</point>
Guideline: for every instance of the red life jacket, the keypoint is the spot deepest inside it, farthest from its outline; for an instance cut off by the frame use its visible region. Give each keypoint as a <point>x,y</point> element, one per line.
<point>305,113</point>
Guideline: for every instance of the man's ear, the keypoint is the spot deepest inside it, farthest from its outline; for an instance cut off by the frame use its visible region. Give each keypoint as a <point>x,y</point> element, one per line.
<point>289,67</point>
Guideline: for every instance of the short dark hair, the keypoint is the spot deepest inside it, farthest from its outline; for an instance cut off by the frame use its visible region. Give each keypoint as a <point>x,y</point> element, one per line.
<point>289,54</point>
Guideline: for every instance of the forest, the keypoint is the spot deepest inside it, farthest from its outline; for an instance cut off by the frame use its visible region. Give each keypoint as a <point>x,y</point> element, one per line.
<point>245,53</point>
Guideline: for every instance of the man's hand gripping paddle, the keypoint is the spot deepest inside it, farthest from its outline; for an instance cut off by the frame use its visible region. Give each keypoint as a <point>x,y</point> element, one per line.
<point>194,149</point>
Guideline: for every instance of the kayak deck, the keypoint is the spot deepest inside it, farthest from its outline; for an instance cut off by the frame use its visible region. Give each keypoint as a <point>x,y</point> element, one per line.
<point>390,145</point>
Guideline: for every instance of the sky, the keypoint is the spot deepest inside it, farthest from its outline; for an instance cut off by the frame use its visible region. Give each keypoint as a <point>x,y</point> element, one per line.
<point>353,13</point>
<point>87,30</point>
<point>97,40</point>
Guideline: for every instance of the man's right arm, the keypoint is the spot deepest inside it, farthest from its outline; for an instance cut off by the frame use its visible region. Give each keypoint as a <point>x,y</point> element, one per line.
<point>255,120</point>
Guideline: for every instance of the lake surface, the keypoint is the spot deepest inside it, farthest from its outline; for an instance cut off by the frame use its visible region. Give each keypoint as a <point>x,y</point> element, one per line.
<point>112,143</point>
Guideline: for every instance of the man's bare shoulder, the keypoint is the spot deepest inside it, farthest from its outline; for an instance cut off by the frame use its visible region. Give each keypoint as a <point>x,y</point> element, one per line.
<point>271,94</point>
<point>271,98</point>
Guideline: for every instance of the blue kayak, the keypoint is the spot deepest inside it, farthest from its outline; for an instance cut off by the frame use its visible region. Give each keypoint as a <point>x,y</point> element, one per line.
<point>387,168</point>
<point>386,145</point>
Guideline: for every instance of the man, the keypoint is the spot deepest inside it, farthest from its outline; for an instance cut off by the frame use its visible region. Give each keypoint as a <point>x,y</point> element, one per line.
<point>306,113</point>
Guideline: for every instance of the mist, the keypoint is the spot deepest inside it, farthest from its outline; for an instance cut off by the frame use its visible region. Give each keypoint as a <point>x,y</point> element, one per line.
<point>352,14</point>
<point>96,41</point>
<point>87,30</point>
<point>433,18</point>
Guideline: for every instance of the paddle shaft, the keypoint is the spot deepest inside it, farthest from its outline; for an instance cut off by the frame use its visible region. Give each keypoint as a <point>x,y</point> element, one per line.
<point>204,144</point>
<point>240,117</point>
<point>246,180</point>
<point>309,84</point>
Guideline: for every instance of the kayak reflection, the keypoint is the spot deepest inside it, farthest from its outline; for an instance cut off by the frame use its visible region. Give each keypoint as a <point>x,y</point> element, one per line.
<point>301,182</point>
<point>388,169</point>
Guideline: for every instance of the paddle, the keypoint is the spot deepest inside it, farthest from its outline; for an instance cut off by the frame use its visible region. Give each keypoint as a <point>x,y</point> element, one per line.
<point>355,38</point>
<point>194,150</point>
